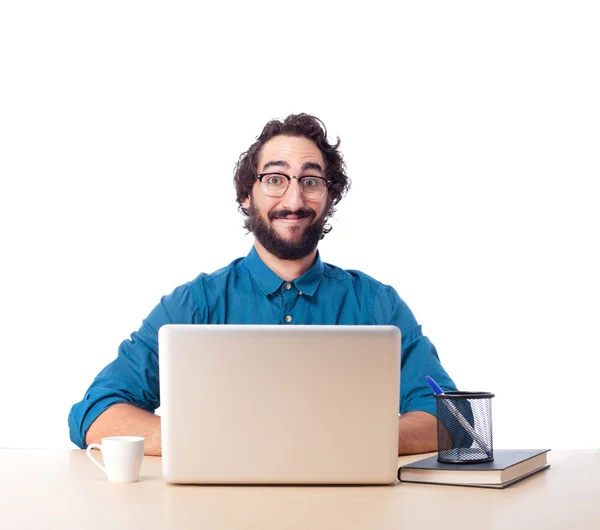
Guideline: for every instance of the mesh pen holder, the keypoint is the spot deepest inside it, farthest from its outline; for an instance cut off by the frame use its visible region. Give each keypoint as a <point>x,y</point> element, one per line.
<point>464,427</point>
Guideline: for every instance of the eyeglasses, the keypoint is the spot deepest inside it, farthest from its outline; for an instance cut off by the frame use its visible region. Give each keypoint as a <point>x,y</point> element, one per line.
<point>276,184</point>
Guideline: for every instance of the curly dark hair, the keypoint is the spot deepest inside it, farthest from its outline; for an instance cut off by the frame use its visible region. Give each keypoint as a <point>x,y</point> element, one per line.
<point>306,126</point>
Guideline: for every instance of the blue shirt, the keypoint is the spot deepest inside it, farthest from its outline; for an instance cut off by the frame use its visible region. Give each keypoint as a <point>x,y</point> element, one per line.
<point>248,292</point>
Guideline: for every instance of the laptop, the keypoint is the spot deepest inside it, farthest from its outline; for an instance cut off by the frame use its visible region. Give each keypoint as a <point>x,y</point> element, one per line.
<point>272,404</point>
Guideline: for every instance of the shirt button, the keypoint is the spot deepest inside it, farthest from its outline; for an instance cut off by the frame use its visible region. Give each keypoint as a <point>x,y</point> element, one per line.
<point>301,293</point>
<point>288,285</point>
<point>288,318</point>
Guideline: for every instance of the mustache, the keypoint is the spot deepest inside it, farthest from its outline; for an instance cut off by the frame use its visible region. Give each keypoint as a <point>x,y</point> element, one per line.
<point>282,214</point>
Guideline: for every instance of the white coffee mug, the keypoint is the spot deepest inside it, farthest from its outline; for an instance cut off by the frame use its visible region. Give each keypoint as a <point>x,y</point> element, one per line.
<point>122,457</point>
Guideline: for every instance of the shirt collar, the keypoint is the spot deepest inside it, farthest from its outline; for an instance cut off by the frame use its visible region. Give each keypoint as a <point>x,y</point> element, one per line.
<point>269,282</point>
<point>310,280</point>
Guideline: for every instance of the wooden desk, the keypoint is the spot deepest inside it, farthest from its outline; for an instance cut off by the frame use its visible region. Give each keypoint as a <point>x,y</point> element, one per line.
<point>42,489</point>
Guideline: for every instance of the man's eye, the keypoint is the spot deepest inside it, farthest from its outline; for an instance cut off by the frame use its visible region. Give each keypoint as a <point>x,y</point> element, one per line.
<point>275,180</point>
<point>310,182</point>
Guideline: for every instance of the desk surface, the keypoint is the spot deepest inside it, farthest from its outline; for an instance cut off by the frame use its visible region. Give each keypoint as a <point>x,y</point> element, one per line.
<point>62,489</point>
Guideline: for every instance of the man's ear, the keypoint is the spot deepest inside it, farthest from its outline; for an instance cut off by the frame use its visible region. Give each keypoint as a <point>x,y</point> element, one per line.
<point>246,202</point>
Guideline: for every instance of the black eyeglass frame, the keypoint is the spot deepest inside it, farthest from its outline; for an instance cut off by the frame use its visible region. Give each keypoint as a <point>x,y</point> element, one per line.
<point>289,178</point>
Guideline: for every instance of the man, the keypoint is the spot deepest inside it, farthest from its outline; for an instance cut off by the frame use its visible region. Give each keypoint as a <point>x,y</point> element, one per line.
<point>287,185</point>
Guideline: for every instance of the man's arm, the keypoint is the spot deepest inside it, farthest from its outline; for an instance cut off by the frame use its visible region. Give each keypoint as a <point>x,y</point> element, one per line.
<point>131,379</point>
<point>418,424</point>
<point>417,433</point>
<point>123,419</point>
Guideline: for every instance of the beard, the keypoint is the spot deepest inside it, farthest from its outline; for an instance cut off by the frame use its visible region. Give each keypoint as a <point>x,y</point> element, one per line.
<point>279,247</point>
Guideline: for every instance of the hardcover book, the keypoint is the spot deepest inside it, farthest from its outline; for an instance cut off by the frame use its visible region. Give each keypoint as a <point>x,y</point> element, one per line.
<point>508,467</point>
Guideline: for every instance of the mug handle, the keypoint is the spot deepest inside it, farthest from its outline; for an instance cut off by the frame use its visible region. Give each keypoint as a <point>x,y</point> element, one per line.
<point>89,453</point>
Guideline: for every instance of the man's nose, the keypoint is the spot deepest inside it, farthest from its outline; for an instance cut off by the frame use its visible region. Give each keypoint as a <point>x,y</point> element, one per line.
<point>292,198</point>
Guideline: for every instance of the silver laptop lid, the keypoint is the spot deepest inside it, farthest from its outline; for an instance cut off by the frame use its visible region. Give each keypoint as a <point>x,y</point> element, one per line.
<point>250,404</point>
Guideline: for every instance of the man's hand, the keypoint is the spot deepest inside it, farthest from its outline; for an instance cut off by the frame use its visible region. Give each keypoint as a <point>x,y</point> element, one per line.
<point>417,433</point>
<point>126,420</point>
<point>417,430</point>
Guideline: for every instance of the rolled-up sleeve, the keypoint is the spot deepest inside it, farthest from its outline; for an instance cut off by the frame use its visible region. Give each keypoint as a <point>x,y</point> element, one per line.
<point>133,376</point>
<point>418,357</point>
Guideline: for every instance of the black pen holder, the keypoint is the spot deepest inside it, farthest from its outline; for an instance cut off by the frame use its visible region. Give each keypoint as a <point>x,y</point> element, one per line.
<point>464,427</point>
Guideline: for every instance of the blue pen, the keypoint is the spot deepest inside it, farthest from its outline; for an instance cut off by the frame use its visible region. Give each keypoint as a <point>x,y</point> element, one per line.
<point>458,415</point>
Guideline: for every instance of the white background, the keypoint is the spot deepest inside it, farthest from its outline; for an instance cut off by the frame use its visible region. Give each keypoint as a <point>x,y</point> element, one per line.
<point>471,132</point>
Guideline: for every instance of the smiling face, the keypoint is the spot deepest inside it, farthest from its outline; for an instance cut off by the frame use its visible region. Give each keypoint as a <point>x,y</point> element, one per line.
<point>291,225</point>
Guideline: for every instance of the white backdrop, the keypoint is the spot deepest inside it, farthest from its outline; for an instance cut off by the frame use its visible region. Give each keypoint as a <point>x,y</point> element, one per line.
<point>471,133</point>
